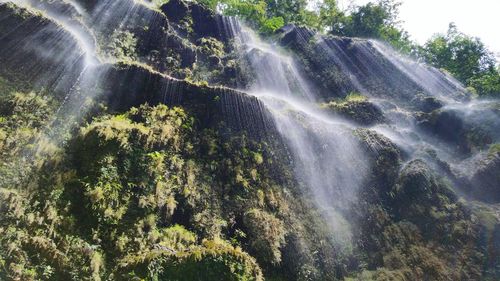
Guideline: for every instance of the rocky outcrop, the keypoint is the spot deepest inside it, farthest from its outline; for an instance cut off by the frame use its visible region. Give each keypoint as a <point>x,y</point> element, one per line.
<point>211,160</point>
<point>175,10</point>
<point>453,127</point>
<point>426,104</point>
<point>37,50</point>
<point>44,52</point>
<point>128,85</point>
<point>341,65</point>
<point>362,112</point>
<point>484,183</point>
<point>385,158</point>
<point>345,65</point>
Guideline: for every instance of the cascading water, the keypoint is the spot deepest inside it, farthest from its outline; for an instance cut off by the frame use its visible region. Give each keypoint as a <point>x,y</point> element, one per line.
<point>58,47</point>
<point>328,161</point>
<point>358,174</point>
<point>425,109</point>
<point>327,158</point>
<point>434,82</point>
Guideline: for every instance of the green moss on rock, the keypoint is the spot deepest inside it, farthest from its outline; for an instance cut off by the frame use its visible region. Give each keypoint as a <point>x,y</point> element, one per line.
<point>356,108</point>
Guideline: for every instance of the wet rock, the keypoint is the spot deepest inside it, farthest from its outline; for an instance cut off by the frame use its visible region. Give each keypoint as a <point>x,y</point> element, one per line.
<point>205,22</point>
<point>37,50</point>
<point>426,103</point>
<point>377,144</point>
<point>362,112</point>
<point>485,182</point>
<point>175,10</point>
<point>385,157</point>
<point>130,85</point>
<point>451,126</point>
<point>211,50</point>
<point>445,124</point>
<point>416,183</point>
<point>340,65</point>
<point>88,4</point>
<point>294,36</point>
<point>58,7</point>
<point>164,49</point>
<point>419,196</point>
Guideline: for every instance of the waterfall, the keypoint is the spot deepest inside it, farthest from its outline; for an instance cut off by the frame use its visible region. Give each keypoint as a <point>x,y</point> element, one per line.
<point>329,163</point>
<point>60,49</point>
<point>328,160</point>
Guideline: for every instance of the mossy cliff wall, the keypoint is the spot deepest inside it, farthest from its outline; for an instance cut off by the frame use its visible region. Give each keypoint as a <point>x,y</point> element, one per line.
<point>137,159</point>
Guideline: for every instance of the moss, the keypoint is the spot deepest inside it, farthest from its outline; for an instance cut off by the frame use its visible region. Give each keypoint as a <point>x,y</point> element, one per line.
<point>355,97</point>
<point>147,191</point>
<point>357,108</point>
<point>121,45</point>
<point>425,103</point>
<point>485,178</point>
<point>267,234</point>
<point>213,260</point>
<point>210,46</point>
<point>22,11</point>
<point>494,149</point>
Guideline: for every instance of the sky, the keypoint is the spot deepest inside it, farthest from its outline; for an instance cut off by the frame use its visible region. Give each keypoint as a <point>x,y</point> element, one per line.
<point>423,18</point>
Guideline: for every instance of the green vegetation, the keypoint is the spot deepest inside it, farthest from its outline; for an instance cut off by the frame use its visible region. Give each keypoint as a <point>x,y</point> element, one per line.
<point>146,191</point>
<point>494,149</point>
<point>466,58</point>
<point>144,194</point>
<point>256,12</point>
<point>374,20</point>
<point>355,107</point>
<point>121,46</point>
<point>108,204</point>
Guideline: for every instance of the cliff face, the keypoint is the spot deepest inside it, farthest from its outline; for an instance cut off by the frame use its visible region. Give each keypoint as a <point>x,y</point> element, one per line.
<point>139,142</point>
<point>341,65</point>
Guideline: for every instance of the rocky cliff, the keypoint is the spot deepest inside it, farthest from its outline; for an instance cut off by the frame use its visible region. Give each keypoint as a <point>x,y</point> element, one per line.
<point>140,141</point>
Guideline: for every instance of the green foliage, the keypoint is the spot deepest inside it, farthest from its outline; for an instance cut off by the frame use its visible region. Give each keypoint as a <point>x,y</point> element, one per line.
<point>357,108</point>
<point>121,46</point>
<point>213,261</point>
<point>369,20</point>
<point>466,58</point>
<point>494,149</point>
<point>355,97</point>
<point>113,206</point>
<point>373,20</point>
<point>210,46</point>
<point>325,17</point>
<point>267,233</point>
<point>151,194</point>
<point>22,120</point>
<point>255,12</point>
<point>486,83</point>
<point>272,24</point>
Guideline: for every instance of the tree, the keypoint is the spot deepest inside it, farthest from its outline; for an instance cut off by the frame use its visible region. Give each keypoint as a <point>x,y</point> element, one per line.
<point>289,10</point>
<point>374,20</point>
<point>329,15</point>
<point>466,58</point>
<point>255,12</point>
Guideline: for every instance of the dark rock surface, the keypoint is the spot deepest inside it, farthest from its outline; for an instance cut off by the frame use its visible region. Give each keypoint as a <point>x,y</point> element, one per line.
<point>485,181</point>
<point>340,66</point>
<point>363,112</point>
<point>231,178</point>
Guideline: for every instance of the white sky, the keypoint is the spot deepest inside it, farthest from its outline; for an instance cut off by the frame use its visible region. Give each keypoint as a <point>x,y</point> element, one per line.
<point>423,18</point>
